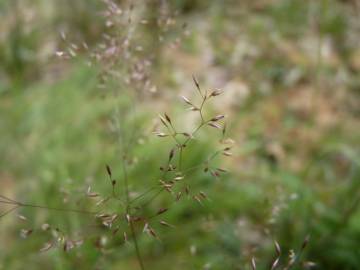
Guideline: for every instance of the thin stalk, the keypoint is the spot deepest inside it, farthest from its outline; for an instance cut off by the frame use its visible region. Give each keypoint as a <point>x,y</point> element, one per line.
<point>9,211</point>
<point>180,157</point>
<point>133,233</point>
<point>155,187</point>
<point>20,204</point>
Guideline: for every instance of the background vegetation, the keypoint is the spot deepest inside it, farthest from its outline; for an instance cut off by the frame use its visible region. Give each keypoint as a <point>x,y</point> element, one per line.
<point>290,74</point>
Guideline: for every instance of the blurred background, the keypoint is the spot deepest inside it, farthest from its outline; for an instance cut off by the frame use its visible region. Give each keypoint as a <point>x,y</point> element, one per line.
<point>290,74</point>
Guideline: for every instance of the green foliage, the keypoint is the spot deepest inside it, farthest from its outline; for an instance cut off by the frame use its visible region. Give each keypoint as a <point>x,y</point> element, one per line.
<point>294,170</point>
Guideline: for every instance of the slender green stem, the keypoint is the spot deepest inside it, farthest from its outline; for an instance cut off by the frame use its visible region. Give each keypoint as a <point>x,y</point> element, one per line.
<point>180,157</point>
<point>58,209</point>
<point>156,187</point>
<point>143,194</point>
<point>9,211</point>
<point>137,250</point>
<point>20,204</point>
<point>133,233</point>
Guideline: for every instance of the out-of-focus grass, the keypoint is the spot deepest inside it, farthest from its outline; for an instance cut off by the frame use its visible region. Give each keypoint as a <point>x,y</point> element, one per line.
<point>47,139</point>
<point>293,115</point>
